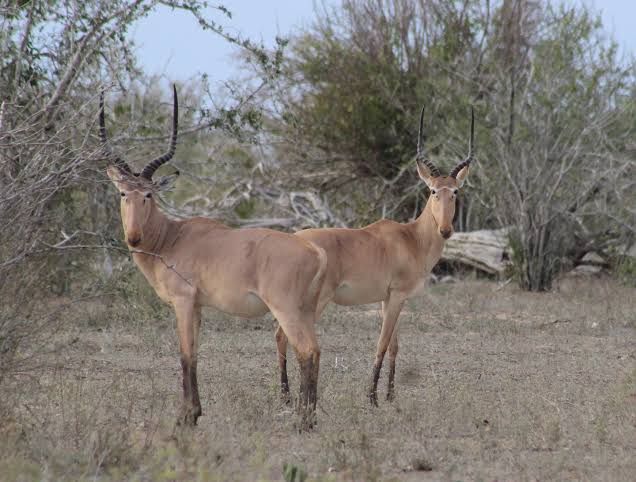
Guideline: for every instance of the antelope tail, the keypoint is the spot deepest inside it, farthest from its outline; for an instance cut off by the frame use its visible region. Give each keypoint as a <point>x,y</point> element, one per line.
<point>316,283</point>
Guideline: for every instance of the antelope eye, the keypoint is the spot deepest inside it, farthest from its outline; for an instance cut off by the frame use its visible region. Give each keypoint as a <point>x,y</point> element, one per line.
<point>454,192</point>
<point>122,194</point>
<point>433,191</point>
<point>148,195</point>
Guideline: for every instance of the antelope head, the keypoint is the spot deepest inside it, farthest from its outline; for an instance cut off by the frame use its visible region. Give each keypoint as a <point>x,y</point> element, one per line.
<point>137,189</point>
<point>443,189</point>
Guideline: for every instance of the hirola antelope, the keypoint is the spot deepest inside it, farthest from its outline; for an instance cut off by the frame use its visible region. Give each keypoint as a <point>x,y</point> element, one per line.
<point>199,262</point>
<point>387,261</point>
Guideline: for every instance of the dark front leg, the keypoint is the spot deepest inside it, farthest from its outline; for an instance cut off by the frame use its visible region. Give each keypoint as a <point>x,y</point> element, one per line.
<point>390,311</point>
<point>284,384</point>
<point>281,345</point>
<point>188,324</point>
<point>196,402</point>
<point>373,389</point>
<point>191,408</point>
<point>393,351</point>
<point>390,393</point>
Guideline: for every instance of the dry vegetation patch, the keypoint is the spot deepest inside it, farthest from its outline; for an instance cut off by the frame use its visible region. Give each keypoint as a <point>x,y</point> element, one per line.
<point>492,383</point>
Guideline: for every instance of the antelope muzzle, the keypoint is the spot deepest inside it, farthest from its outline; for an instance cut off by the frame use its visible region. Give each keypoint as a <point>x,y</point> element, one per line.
<point>445,232</point>
<point>133,240</point>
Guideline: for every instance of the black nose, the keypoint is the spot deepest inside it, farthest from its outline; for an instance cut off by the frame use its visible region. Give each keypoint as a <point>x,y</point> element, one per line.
<point>446,233</point>
<point>134,242</point>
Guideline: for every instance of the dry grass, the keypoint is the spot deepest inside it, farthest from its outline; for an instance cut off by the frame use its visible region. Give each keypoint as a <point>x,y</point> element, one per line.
<point>491,384</point>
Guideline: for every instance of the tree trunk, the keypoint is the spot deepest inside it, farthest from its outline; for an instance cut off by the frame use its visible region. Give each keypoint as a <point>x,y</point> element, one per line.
<point>484,250</point>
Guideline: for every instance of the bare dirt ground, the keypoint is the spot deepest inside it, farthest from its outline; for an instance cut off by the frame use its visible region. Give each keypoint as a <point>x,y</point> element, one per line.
<point>492,384</point>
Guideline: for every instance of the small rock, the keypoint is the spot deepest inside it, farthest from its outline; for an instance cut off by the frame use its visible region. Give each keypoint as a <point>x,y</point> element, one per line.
<point>585,270</point>
<point>592,258</point>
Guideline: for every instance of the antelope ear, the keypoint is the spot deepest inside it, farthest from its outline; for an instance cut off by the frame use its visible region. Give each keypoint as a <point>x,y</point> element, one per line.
<point>424,172</point>
<point>116,175</point>
<point>461,176</point>
<point>166,182</point>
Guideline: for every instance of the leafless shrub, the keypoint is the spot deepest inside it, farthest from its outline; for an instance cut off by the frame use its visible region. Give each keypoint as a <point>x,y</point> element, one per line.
<point>559,152</point>
<point>553,103</point>
<point>58,223</point>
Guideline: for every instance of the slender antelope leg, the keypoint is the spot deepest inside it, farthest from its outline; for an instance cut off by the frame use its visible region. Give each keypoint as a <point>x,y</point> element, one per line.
<point>196,325</point>
<point>281,345</point>
<point>393,351</point>
<point>302,335</point>
<point>314,367</point>
<point>309,363</point>
<point>188,320</point>
<point>390,311</point>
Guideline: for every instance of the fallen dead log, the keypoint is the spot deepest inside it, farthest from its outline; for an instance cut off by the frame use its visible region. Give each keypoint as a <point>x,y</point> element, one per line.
<point>485,250</point>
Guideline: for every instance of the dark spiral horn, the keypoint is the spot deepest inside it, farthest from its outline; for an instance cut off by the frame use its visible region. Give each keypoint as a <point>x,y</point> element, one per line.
<point>153,165</point>
<point>421,156</point>
<point>118,161</point>
<point>471,143</point>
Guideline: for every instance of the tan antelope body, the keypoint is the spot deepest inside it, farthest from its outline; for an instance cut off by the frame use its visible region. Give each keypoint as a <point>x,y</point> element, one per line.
<point>386,261</point>
<point>200,262</point>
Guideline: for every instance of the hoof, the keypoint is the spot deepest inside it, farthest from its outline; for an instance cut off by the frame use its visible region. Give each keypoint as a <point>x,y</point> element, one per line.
<point>188,417</point>
<point>390,396</point>
<point>373,398</point>
<point>306,417</point>
<point>307,424</point>
<point>285,397</point>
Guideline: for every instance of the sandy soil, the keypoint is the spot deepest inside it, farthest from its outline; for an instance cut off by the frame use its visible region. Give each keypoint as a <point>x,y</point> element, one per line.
<point>492,384</point>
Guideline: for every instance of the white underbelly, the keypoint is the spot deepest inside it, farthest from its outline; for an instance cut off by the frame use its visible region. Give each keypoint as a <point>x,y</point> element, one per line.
<point>348,294</point>
<point>245,304</point>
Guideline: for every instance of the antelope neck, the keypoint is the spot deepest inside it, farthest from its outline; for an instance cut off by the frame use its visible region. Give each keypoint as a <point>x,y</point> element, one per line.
<point>155,231</point>
<point>427,232</point>
<point>425,222</point>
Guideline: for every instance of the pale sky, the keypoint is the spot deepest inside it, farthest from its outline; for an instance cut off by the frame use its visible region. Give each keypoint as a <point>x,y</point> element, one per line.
<point>171,42</point>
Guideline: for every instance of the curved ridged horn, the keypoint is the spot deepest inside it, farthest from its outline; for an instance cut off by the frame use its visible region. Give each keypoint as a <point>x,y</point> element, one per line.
<point>471,143</point>
<point>421,156</point>
<point>152,166</point>
<point>119,162</point>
